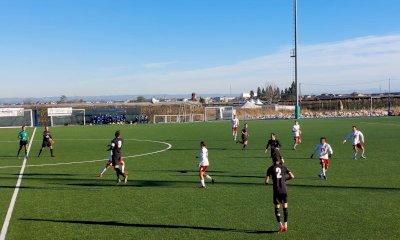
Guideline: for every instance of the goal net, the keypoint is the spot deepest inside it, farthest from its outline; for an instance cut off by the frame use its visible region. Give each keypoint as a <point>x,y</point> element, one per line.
<point>67,117</point>
<point>218,113</point>
<point>178,118</point>
<point>16,117</point>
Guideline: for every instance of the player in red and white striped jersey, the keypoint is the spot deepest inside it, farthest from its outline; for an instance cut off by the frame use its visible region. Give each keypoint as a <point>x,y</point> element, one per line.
<point>235,125</point>
<point>203,165</point>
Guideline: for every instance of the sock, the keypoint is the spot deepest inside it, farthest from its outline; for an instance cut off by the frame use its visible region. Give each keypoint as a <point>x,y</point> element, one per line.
<point>40,152</point>
<point>362,153</point>
<point>51,151</point>
<point>323,171</point>
<point>202,183</point>
<point>278,215</point>
<point>244,146</point>
<point>285,215</point>
<point>208,177</point>
<point>119,172</point>
<point>103,170</point>
<point>355,155</point>
<point>19,150</point>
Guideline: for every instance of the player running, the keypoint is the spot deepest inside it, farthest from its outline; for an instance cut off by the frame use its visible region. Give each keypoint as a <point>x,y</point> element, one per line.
<point>296,134</point>
<point>23,140</point>
<point>357,141</point>
<point>115,148</point>
<point>109,164</point>
<point>278,172</point>
<point>48,141</point>
<point>324,151</point>
<point>274,143</point>
<point>235,125</point>
<point>203,165</point>
<point>245,135</point>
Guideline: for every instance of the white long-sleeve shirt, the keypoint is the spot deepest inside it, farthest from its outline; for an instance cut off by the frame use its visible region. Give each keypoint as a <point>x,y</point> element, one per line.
<point>355,136</point>
<point>235,122</point>
<point>203,159</point>
<point>296,130</point>
<point>323,150</point>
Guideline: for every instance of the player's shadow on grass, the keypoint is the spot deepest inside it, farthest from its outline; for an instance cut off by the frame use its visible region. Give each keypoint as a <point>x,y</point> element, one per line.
<point>139,225</point>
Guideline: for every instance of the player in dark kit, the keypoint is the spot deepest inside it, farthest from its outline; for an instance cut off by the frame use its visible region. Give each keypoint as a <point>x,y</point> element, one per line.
<point>278,173</point>
<point>115,147</point>
<point>274,143</point>
<point>245,135</point>
<point>48,141</point>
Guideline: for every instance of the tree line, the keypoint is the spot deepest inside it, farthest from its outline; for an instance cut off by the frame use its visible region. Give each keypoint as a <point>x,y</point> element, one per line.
<point>272,93</point>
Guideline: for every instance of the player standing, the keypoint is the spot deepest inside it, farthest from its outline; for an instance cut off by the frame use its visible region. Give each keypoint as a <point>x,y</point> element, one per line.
<point>274,143</point>
<point>245,135</point>
<point>296,134</point>
<point>324,151</point>
<point>23,140</point>
<point>357,141</point>
<point>48,141</point>
<point>235,125</point>
<point>203,165</point>
<point>278,172</point>
<point>116,146</point>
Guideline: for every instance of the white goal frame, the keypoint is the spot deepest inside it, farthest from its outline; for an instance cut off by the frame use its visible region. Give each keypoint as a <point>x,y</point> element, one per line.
<point>178,118</point>
<point>30,111</point>
<point>74,109</point>
<point>221,113</point>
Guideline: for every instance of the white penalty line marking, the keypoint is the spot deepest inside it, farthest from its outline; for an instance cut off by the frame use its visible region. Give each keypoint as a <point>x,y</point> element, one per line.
<point>169,146</point>
<point>14,196</point>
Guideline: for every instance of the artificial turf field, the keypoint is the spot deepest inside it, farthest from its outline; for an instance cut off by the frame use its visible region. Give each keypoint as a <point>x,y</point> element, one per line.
<point>162,200</point>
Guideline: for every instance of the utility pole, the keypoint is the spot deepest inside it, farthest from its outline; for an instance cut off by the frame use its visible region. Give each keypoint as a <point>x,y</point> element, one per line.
<point>390,104</point>
<point>297,107</point>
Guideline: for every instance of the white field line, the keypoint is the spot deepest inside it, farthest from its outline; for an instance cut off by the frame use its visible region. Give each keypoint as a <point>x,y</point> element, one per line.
<point>99,160</point>
<point>381,124</point>
<point>14,196</point>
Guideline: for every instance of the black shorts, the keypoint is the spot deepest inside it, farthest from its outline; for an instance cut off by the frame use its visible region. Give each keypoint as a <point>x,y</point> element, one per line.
<point>23,143</point>
<point>280,198</point>
<point>46,144</point>
<point>116,159</point>
<point>244,138</point>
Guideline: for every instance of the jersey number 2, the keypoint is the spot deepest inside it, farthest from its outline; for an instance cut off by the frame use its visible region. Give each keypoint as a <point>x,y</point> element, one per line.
<point>278,173</point>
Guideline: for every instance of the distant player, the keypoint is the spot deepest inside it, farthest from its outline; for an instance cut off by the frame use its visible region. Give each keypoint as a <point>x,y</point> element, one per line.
<point>274,144</point>
<point>48,141</point>
<point>23,140</point>
<point>324,151</point>
<point>245,135</point>
<point>278,172</point>
<point>109,164</point>
<point>115,147</point>
<point>296,134</point>
<point>203,165</point>
<point>357,138</point>
<point>235,125</point>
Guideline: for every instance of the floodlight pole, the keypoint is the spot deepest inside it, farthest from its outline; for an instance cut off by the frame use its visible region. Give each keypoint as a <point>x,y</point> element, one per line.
<point>297,107</point>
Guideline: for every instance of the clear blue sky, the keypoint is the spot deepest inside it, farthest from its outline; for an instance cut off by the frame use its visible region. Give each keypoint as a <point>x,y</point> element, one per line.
<point>98,47</point>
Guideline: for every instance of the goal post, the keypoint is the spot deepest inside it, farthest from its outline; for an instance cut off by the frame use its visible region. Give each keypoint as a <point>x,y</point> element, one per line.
<point>16,117</point>
<point>218,113</point>
<point>66,116</point>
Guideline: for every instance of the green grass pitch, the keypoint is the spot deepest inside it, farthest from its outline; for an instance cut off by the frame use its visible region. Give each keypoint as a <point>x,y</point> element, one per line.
<point>162,200</point>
